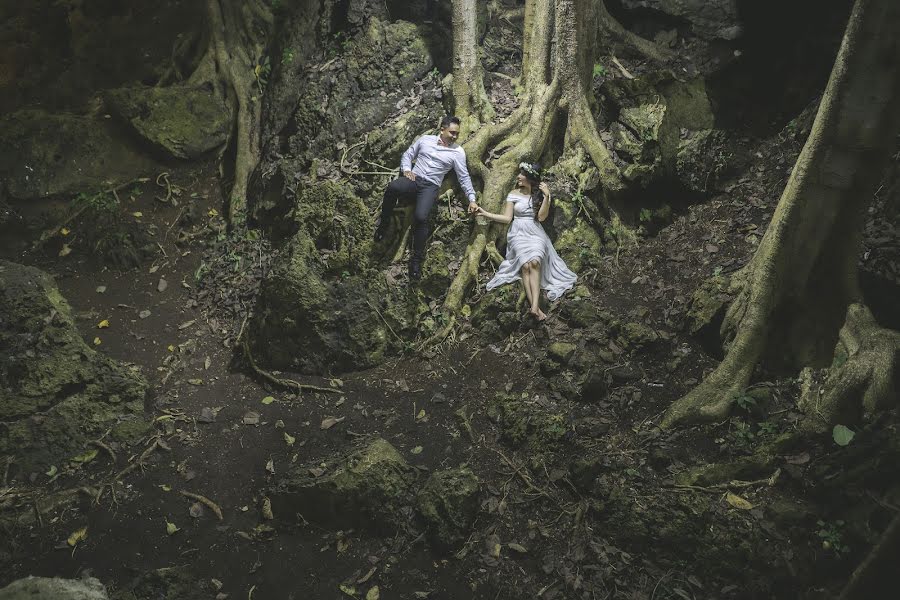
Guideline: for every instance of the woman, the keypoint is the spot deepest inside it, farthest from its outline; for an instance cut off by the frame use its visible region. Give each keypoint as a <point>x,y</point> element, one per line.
<point>530,255</point>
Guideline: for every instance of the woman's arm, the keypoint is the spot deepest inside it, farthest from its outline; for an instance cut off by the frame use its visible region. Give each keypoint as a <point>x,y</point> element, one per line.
<point>544,210</point>
<point>506,217</point>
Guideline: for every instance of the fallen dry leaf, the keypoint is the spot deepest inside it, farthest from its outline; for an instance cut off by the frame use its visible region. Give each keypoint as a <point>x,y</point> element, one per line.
<point>78,535</point>
<point>737,502</point>
<point>329,422</point>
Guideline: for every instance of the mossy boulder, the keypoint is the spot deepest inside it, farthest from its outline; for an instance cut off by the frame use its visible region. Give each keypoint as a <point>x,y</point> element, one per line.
<point>435,271</point>
<point>577,241</point>
<point>366,488</point>
<point>653,112</point>
<point>448,503</point>
<point>323,308</point>
<point>709,19</point>
<point>561,352</point>
<point>56,393</point>
<point>181,121</point>
<point>496,315</point>
<point>334,107</point>
<point>46,588</point>
<point>704,160</point>
<point>534,423</point>
<point>707,308</point>
<point>44,154</point>
<point>634,336</point>
<point>168,583</point>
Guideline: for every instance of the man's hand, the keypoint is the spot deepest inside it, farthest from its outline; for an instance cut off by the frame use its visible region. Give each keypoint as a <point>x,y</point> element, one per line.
<point>409,175</point>
<point>473,208</point>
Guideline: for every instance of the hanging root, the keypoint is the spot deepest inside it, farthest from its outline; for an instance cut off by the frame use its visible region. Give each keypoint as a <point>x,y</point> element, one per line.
<point>628,40</point>
<point>863,378</point>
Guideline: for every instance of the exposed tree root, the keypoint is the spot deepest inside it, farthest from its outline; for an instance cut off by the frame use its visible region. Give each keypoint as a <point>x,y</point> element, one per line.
<point>628,40</point>
<point>286,384</point>
<point>864,379</point>
<point>469,97</point>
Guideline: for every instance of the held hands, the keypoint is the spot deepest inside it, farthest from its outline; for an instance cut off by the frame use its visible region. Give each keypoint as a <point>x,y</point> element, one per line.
<point>474,208</point>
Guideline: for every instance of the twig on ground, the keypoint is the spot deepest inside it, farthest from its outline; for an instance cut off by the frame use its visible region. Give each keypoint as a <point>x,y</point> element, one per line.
<point>205,501</point>
<point>733,484</point>
<point>522,475</point>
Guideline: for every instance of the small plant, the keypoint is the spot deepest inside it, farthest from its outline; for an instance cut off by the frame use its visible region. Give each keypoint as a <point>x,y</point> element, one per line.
<point>599,70</point>
<point>646,215</point>
<point>742,435</point>
<point>287,56</point>
<point>745,402</point>
<point>832,537</point>
<point>261,71</point>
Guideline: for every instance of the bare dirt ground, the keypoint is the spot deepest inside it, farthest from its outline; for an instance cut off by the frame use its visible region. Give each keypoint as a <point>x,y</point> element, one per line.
<point>617,526</point>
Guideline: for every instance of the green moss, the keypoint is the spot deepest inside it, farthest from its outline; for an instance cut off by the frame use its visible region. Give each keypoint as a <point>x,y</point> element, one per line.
<point>448,503</point>
<point>526,424</point>
<point>58,392</point>
<point>707,306</point>
<point>365,488</point>
<point>182,121</point>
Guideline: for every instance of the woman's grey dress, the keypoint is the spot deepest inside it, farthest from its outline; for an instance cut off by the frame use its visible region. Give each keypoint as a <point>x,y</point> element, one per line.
<point>525,241</point>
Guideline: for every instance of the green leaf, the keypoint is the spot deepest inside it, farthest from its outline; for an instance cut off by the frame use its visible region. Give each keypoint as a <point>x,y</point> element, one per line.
<point>842,435</point>
<point>268,400</point>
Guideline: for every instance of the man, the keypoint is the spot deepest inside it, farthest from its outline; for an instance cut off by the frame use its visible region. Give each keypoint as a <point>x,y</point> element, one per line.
<point>434,156</point>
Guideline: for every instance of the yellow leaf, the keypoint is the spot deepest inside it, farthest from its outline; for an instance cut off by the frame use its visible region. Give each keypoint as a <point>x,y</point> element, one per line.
<point>213,212</point>
<point>421,415</point>
<point>289,439</point>
<point>79,535</point>
<point>103,324</point>
<point>349,590</point>
<point>416,450</point>
<point>97,341</point>
<point>138,214</point>
<point>171,348</point>
<point>165,487</point>
<point>64,231</point>
<point>65,250</point>
<point>268,400</point>
<point>374,593</point>
<point>86,457</point>
<point>171,528</point>
<point>51,471</point>
<point>737,502</point>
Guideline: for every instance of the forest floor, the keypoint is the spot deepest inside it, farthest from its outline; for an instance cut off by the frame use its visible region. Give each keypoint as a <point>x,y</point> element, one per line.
<point>629,531</point>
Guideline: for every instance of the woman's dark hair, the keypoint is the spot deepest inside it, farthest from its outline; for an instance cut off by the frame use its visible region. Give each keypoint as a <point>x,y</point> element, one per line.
<point>447,119</point>
<point>532,171</point>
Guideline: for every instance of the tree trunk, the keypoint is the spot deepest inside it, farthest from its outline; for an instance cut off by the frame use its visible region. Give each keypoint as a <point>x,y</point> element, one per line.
<point>801,287</point>
<point>470,98</point>
<point>550,97</point>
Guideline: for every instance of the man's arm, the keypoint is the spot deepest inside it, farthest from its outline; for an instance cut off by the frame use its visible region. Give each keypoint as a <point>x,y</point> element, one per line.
<point>462,174</point>
<point>409,156</point>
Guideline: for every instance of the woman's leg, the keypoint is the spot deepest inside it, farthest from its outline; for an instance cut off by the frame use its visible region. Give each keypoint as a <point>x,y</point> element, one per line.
<point>536,290</point>
<point>526,282</point>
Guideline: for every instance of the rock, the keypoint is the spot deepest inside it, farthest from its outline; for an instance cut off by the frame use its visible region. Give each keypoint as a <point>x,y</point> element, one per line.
<point>635,336</point>
<point>366,488</point>
<point>169,583</point>
<point>44,154</point>
<point>323,308</point>
<point>709,19</point>
<point>181,121</point>
<point>654,111</point>
<point>561,352</point>
<point>594,384</point>
<point>45,588</point>
<point>371,82</point>
<point>56,393</point>
<point>435,274</point>
<point>496,315</point>
<point>704,160</point>
<point>584,313</point>
<point>525,423</point>
<point>585,471</point>
<point>706,310</point>
<point>448,503</point>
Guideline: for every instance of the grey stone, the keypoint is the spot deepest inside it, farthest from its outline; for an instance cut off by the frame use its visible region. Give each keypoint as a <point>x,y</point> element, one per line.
<point>44,154</point>
<point>448,502</point>
<point>45,588</point>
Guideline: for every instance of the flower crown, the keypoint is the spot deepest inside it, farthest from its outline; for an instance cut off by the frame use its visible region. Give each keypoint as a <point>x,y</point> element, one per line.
<point>528,168</point>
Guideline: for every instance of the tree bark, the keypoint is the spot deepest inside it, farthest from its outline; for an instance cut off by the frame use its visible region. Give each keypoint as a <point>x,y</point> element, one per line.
<point>471,100</point>
<point>802,284</point>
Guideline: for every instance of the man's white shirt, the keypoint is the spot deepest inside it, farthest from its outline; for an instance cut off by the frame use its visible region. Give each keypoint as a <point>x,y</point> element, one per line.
<point>434,160</point>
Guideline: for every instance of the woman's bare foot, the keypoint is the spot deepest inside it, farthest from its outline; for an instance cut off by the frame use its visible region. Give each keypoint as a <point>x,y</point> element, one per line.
<point>538,314</point>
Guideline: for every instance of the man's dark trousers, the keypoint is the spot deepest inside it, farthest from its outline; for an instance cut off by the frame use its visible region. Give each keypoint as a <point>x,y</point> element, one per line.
<point>425,194</point>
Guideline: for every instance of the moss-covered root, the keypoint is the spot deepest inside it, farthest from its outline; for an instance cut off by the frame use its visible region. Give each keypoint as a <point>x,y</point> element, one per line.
<point>634,43</point>
<point>863,379</point>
